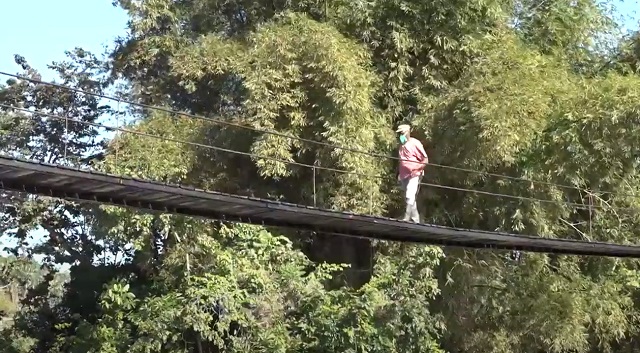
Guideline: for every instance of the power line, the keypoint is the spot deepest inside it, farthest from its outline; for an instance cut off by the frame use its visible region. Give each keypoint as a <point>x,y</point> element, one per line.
<point>253,155</point>
<point>325,144</point>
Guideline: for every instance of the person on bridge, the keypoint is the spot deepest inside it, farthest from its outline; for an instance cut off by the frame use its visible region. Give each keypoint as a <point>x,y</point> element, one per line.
<point>413,160</point>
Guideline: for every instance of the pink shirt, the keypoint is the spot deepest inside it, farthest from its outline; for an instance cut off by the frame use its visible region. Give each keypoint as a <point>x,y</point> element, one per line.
<point>412,155</point>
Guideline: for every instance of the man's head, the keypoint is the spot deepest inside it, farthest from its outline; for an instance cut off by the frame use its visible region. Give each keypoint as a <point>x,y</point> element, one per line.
<point>404,130</point>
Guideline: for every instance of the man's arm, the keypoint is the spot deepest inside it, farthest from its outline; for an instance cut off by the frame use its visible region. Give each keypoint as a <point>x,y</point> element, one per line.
<point>425,158</point>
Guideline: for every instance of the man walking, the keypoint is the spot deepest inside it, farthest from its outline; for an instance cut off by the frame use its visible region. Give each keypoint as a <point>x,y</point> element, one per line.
<point>413,160</point>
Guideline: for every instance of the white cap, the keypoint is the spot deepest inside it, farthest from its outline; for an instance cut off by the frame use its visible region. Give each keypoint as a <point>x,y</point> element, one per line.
<point>404,128</point>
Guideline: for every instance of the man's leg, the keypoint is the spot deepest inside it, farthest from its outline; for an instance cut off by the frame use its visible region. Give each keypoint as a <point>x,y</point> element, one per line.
<point>404,183</point>
<point>411,190</point>
<point>415,216</point>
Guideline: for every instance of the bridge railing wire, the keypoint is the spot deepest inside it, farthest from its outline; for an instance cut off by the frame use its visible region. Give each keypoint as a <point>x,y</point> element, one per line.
<point>321,143</point>
<point>315,169</point>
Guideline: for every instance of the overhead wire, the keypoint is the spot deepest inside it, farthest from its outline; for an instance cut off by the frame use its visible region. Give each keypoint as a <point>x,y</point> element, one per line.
<point>253,155</point>
<point>320,143</point>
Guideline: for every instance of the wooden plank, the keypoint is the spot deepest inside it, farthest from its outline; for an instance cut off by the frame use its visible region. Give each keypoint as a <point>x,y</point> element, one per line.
<point>94,187</point>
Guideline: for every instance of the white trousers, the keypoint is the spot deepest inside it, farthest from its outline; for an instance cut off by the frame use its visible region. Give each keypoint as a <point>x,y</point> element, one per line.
<point>411,186</point>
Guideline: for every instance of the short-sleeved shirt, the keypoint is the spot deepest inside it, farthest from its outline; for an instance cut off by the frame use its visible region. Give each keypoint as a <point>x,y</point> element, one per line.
<point>412,155</point>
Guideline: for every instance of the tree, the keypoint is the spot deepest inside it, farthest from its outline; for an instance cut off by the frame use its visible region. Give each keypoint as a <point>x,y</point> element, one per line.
<point>483,82</point>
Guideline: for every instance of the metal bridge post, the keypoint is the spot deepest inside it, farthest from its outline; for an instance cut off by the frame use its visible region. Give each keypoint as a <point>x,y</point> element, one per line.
<point>116,132</point>
<point>590,212</point>
<point>66,136</point>
<point>371,200</point>
<point>314,186</point>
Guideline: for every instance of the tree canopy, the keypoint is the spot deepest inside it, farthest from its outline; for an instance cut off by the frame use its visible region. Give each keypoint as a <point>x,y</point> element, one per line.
<point>530,89</point>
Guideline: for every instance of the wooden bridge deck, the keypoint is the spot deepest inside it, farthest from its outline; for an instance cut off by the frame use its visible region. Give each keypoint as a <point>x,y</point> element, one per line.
<point>79,185</point>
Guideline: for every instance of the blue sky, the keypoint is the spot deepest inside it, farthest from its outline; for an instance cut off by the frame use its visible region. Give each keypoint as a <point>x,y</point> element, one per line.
<point>41,30</point>
<point>629,11</point>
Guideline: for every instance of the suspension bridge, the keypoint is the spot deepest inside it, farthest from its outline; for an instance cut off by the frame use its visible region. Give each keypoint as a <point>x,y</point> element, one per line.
<point>82,185</point>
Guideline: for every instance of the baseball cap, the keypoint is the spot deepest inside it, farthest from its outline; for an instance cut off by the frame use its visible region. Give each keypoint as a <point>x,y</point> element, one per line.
<point>403,128</point>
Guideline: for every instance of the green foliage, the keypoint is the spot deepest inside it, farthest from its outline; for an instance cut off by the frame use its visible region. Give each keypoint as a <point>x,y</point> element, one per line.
<point>564,28</point>
<point>300,78</point>
<point>18,278</point>
<point>523,88</point>
<point>250,290</point>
